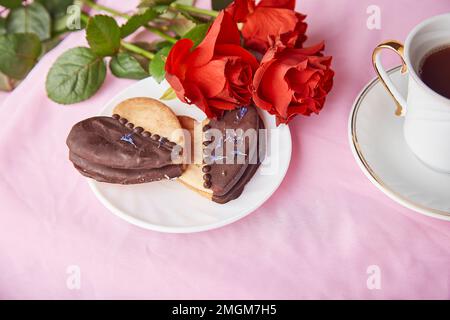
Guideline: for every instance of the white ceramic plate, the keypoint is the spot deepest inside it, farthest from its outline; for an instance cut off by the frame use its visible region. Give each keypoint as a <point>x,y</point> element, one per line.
<point>376,138</point>
<point>168,206</point>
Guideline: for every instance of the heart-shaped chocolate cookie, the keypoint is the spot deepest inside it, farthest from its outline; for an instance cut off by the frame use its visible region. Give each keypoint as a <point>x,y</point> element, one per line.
<point>113,150</point>
<point>231,148</point>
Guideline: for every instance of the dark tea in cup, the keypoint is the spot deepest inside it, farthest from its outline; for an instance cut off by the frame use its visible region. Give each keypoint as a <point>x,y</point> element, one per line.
<point>435,70</point>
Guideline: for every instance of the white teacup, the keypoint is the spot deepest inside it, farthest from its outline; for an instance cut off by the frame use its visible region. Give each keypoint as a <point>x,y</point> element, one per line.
<point>427,113</point>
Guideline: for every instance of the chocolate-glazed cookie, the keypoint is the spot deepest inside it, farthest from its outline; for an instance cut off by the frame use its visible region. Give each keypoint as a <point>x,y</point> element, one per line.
<point>111,149</point>
<point>238,138</point>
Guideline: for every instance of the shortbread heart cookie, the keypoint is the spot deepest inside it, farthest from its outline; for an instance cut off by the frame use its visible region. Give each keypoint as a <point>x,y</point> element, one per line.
<point>230,149</point>
<point>113,150</point>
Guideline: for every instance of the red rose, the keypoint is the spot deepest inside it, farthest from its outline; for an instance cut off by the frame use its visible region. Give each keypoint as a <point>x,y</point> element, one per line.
<point>268,19</point>
<point>215,76</point>
<point>292,81</point>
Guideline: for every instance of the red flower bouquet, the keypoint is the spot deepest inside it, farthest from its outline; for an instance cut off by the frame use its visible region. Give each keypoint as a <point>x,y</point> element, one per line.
<point>221,74</point>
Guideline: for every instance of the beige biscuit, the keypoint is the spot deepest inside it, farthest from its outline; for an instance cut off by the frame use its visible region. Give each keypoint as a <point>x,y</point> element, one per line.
<point>193,175</point>
<point>152,115</point>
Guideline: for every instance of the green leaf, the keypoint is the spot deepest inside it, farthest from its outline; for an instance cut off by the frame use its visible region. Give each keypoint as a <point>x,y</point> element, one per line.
<point>220,4</point>
<point>124,65</point>
<point>56,8</point>
<point>30,19</point>
<point>2,26</point>
<point>11,4</point>
<point>170,94</point>
<point>158,63</point>
<point>137,21</point>
<point>198,33</point>
<point>76,76</point>
<point>103,35</point>
<point>143,61</point>
<point>19,52</point>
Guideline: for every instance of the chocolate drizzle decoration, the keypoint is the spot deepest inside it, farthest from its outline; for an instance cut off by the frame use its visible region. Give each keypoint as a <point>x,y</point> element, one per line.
<point>156,139</point>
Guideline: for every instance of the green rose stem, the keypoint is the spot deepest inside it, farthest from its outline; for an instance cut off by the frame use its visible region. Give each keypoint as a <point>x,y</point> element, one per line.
<point>154,30</point>
<point>161,34</point>
<point>186,8</point>
<point>133,48</point>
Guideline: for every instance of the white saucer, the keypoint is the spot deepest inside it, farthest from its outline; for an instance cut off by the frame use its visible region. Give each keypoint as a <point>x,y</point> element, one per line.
<point>378,144</point>
<point>168,206</point>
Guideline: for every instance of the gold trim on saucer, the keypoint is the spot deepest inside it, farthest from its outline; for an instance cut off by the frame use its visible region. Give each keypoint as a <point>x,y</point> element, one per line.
<point>398,48</point>
<point>391,193</point>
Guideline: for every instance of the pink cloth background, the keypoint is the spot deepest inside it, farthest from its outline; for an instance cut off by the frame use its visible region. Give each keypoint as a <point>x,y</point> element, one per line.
<point>315,238</point>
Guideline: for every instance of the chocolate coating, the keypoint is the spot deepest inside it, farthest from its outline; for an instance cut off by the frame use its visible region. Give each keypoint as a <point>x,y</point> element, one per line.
<point>124,176</point>
<point>207,184</point>
<point>239,187</point>
<point>138,130</point>
<point>104,149</point>
<point>228,180</point>
<point>164,140</point>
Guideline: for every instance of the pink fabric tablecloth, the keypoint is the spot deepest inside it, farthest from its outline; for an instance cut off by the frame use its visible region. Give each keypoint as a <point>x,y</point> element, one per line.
<point>315,238</point>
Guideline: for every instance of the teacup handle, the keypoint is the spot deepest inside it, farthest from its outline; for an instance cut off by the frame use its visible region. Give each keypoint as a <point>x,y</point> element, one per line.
<point>384,77</point>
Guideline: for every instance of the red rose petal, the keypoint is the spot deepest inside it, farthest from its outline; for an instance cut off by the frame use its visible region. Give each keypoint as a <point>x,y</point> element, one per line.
<point>279,21</point>
<point>223,31</point>
<point>238,74</point>
<point>222,104</point>
<point>230,50</point>
<point>178,55</point>
<point>280,95</point>
<point>196,97</point>
<point>287,4</point>
<point>209,78</point>
<point>240,9</point>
